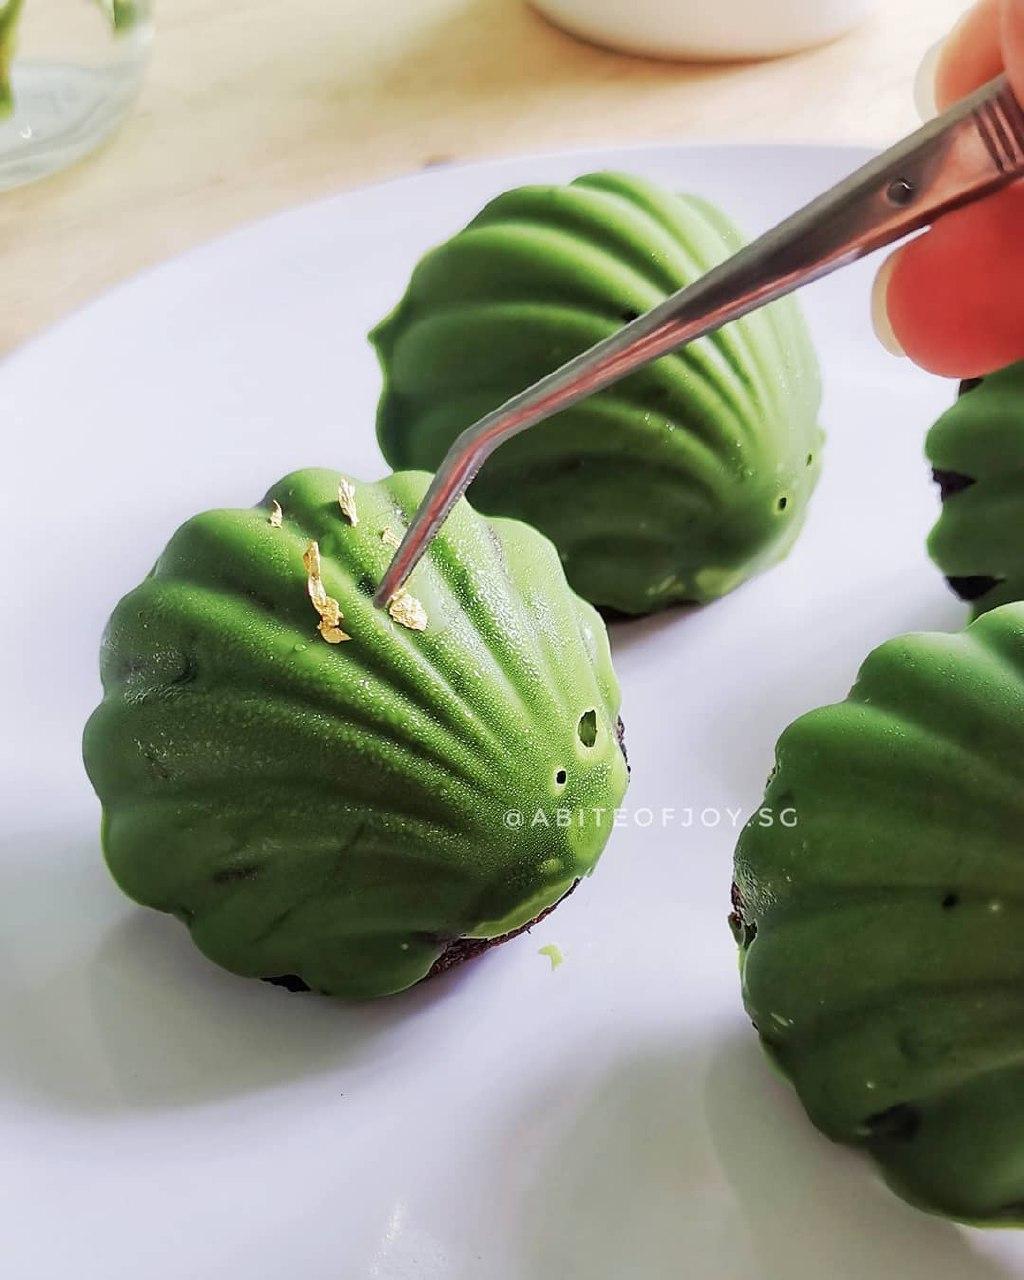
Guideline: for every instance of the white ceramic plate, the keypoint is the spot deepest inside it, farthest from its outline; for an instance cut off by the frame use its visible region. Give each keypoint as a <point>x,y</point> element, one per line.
<point>611,1120</point>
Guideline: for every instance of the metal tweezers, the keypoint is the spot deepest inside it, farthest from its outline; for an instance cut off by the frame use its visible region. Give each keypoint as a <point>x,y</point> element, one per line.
<point>968,152</point>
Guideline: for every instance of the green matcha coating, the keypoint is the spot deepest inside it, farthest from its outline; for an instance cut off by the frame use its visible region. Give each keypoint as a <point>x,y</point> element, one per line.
<point>881,936</point>
<point>977,451</point>
<point>337,812</point>
<point>675,485</point>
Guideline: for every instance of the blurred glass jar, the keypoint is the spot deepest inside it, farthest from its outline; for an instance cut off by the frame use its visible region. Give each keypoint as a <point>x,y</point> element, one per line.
<point>69,71</point>
<point>707,30</point>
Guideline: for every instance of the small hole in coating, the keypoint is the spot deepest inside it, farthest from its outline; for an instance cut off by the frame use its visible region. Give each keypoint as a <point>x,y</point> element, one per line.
<point>560,777</point>
<point>587,728</point>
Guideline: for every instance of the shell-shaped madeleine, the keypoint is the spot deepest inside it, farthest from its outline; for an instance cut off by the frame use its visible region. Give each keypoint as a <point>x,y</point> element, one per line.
<point>676,484</point>
<point>338,793</point>
<point>879,907</point>
<point>977,452</point>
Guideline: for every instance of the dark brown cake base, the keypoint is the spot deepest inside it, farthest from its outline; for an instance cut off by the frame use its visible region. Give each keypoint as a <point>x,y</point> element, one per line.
<point>463,949</point>
<point>455,953</point>
<point>458,951</point>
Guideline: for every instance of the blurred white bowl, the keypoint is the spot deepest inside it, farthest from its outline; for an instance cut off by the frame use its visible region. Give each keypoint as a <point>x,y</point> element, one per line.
<point>706,29</point>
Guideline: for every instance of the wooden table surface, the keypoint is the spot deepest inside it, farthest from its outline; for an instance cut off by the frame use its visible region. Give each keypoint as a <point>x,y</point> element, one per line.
<point>251,106</point>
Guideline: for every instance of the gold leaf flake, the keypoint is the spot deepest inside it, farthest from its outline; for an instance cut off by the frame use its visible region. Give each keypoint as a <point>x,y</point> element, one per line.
<point>347,501</point>
<point>390,539</point>
<point>311,559</point>
<point>276,515</point>
<point>333,635</point>
<point>326,606</point>
<point>407,611</point>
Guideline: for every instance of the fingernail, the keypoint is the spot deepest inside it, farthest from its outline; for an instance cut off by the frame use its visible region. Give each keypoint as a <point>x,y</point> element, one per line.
<point>924,83</point>
<point>880,310</point>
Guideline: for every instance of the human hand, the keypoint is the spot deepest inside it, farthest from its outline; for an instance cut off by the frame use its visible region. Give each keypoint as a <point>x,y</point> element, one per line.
<point>953,299</point>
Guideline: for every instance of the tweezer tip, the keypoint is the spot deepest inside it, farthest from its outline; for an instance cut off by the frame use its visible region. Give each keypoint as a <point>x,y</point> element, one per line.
<point>397,573</point>
<point>383,594</point>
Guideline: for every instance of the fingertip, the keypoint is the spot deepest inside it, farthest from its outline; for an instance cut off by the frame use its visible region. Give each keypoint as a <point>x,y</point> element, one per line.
<point>1012,29</point>
<point>971,55</point>
<point>925,97</point>
<point>880,320</point>
<point>917,334</point>
<point>952,296</point>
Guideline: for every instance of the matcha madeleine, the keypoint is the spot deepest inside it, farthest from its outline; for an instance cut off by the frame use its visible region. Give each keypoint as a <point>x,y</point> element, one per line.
<point>320,789</point>
<point>881,936</point>
<point>675,485</point>
<point>977,453</point>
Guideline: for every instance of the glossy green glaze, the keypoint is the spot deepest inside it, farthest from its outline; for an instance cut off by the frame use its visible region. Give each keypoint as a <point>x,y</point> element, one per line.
<point>337,811</point>
<point>882,936</point>
<point>675,485</point>
<point>977,451</point>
